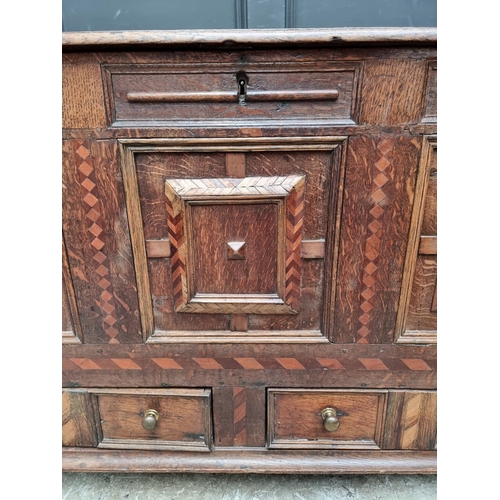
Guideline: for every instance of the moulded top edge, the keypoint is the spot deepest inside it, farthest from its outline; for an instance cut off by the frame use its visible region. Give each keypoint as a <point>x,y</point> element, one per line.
<point>85,40</point>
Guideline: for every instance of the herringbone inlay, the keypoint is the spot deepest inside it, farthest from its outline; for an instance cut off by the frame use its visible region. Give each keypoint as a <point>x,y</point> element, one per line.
<point>94,222</point>
<point>380,177</point>
<point>179,192</point>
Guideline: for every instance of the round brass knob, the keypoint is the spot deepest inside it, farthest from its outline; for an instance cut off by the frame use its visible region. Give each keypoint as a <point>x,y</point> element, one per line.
<point>150,419</point>
<point>330,420</point>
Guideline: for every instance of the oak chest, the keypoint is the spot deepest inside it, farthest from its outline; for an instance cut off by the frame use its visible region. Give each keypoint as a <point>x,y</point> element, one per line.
<point>249,251</point>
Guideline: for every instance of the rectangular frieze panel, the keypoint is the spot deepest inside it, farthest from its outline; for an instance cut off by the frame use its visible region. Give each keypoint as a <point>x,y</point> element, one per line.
<point>209,94</point>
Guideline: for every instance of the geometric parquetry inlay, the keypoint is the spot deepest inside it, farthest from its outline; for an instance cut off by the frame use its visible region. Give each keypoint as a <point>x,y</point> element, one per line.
<point>94,222</point>
<point>239,415</point>
<point>339,364</point>
<point>285,190</point>
<point>380,177</point>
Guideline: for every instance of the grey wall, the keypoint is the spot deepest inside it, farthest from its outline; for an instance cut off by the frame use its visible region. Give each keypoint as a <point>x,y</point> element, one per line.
<point>110,15</point>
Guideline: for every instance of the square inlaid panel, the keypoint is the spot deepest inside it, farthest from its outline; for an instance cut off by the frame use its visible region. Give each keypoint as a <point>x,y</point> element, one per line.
<point>235,240</point>
<point>264,215</point>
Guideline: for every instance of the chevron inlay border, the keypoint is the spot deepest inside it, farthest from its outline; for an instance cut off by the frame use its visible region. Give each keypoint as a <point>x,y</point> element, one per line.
<point>289,189</point>
<point>94,222</point>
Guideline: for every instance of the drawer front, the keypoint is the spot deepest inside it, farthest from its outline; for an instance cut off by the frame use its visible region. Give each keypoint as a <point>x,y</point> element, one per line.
<point>295,418</point>
<point>175,419</point>
<point>140,95</point>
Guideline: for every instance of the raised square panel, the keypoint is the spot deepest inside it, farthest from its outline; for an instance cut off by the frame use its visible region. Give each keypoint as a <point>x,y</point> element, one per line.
<point>265,214</point>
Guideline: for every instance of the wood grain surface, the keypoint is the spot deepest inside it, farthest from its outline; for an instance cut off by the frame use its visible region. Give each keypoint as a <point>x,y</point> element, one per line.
<point>230,38</point>
<point>95,230</point>
<point>184,419</point>
<point>249,461</point>
<point>348,110</point>
<point>71,326</point>
<point>411,422</point>
<point>294,419</point>
<point>392,91</point>
<point>379,193</point>
<point>82,98</point>
<point>417,315</point>
<point>78,424</point>
<point>239,416</point>
<point>139,94</point>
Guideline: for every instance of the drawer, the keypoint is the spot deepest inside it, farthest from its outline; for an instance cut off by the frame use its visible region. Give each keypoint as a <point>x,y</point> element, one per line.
<point>154,419</point>
<point>146,95</point>
<point>297,418</point>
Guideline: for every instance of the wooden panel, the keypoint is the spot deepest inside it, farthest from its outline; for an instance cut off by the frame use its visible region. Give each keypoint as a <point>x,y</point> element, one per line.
<point>96,233</point>
<point>417,315</point>
<point>204,93</point>
<point>78,428</point>
<point>395,36</point>
<point>239,416</point>
<point>71,327</point>
<point>239,323</point>
<point>379,192</point>
<point>392,91</point>
<point>235,164</point>
<point>411,422</point>
<point>214,226</point>
<point>67,322</point>
<point>295,420</point>
<point>429,216</point>
<point>188,220</point>
<point>82,98</point>
<point>253,461</point>
<point>421,316</point>
<point>152,170</point>
<point>283,364</point>
<point>184,419</point>
<point>431,94</point>
<point>179,159</point>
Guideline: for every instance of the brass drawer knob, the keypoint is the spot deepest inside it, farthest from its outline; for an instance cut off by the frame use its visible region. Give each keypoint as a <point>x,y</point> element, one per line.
<point>150,419</point>
<point>330,420</point>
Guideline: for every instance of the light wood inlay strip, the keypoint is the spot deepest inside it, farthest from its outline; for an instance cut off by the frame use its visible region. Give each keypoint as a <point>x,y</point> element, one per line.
<point>235,165</point>
<point>157,249</point>
<point>428,245</point>
<point>312,249</point>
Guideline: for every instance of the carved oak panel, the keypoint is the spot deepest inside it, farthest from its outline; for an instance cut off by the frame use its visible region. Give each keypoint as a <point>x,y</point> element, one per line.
<point>417,317</point>
<point>217,231</point>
